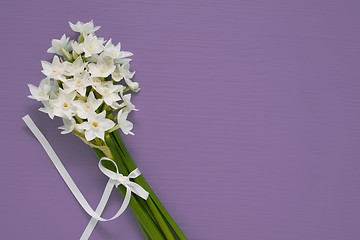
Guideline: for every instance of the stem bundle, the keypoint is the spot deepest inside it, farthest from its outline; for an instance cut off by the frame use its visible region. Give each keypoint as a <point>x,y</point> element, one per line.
<point>154,220</point>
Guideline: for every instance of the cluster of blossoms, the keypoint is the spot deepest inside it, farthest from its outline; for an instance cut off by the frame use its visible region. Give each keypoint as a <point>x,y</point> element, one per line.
<point>83,84</point>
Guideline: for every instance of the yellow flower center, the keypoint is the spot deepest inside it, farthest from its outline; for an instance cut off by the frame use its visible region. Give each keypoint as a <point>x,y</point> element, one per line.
<point>78,81</point>
<point>95,124</point>
<point>87,106</point>
<point>65,104</point>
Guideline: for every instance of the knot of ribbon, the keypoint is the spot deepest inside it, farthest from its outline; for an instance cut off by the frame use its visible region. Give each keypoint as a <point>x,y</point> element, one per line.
<point>120,179</point>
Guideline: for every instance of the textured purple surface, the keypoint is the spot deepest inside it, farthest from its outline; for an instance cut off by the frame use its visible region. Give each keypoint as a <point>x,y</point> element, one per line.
<point>248,125</point>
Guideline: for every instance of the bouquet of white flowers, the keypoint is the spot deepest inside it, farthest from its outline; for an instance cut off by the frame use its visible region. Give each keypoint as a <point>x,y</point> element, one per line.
<point>88,84</point>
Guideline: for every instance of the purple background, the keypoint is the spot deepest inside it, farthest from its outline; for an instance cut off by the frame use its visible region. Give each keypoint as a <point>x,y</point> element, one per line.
<point>248,125</point>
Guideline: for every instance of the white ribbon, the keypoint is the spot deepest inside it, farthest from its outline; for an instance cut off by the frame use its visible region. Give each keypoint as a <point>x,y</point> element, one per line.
<point>115,179</point>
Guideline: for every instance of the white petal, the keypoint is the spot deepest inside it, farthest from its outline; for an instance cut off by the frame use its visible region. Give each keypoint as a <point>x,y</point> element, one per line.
<point>89,135</point>
<point>107,124</point>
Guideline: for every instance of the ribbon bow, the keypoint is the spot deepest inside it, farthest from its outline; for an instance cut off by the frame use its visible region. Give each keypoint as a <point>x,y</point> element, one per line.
<point>120,179</point>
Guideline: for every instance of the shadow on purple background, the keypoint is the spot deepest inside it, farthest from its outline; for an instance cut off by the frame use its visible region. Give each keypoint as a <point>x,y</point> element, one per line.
<point>248,125</point>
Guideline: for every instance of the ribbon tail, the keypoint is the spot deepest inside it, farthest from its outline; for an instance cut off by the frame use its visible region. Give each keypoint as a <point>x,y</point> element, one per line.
<point>99,210</point>
<point>60,168</point>
<point>138,190</point>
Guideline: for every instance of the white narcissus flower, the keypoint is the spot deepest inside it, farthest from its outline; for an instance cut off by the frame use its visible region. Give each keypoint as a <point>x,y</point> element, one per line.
<point>54,88</point>
<point>126,104</point>
<point>77,48</point>
<point>95,82</point>
<point>92,45</point>
<point>96,126</point>
<point>58,44</point>
<point>69,125</point>
<point>48,108</point>
<point>115,52</point>
<point>109,93</point>
<point>84,28</point>
<point>125,125</point>
<point>88,107</point>
<point>41,93</point>
<point>76,67</point>
<point>122,60</point>
<point>54,70</point>
<point>94,58</point>
<point>101,68</point>
<point>78,83</point>
<point>111,50</point>
<point>63,104</point>
<point>123,72</point>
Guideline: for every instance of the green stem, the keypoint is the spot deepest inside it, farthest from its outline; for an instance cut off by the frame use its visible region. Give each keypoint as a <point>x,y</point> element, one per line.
<point>152,208</point>
<point>141,202</point>
<point>81,38</point>
<point>147,209</point>
<point>144,218</point>
<point>153,198</point>
<point>159,218</point>
<point>81,97</point>
<point>75,55</point>
<point>116,127</point>
<point>66,54</point>
<point>141,221</point>
<point>78,119</point>
<point>111,167</point>
<point>146,235</point>
<point>104,107</point>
